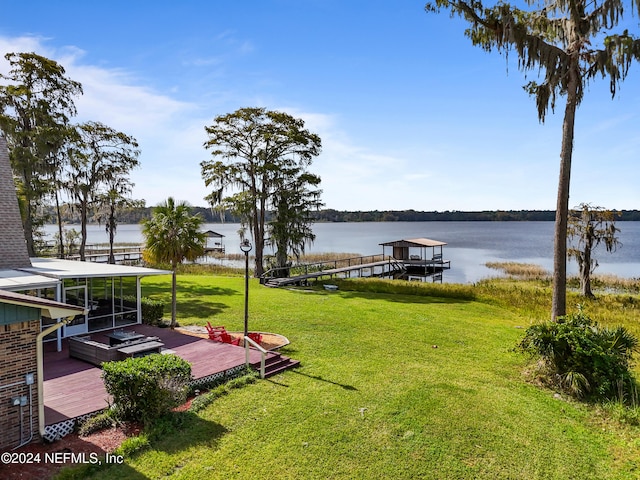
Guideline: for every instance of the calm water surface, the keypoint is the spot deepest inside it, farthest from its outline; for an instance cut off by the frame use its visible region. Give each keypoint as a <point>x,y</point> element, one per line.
<point>470,244</point>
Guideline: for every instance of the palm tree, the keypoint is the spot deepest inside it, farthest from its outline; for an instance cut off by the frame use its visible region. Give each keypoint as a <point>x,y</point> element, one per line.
<point>173,235</point>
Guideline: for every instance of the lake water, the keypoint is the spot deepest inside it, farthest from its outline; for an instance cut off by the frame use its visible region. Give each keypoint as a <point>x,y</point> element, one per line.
<point>469,244</point>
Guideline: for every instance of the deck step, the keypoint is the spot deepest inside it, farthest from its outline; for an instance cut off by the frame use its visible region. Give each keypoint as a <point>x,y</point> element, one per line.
<point>278,282</point>
<point>275,364</point>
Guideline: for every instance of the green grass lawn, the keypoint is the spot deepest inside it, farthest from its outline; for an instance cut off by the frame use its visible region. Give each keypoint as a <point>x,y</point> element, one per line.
<point>391,386</point>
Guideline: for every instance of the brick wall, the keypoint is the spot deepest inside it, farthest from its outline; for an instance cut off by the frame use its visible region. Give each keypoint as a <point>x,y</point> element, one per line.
<point>13,247</point>
<point>17,358</point>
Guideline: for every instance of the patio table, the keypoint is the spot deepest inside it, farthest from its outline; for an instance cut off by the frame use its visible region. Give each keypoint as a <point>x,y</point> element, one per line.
<point>118,337</point>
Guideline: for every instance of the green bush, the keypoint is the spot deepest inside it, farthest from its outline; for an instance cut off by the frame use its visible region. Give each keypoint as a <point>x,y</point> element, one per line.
<point>152,310</point>
<point>584,359</point>
<point>96,423</point>
<point>146,388</point>
<point>133,445</point>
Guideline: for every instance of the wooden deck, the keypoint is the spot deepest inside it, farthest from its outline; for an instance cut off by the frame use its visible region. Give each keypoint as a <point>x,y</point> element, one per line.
<point>73,388</point>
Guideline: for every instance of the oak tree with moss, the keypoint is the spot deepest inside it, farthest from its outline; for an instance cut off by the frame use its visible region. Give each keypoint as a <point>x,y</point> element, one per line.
<point>588,228</point>
<point>257,153</point>
<point>294,202</point>
<point>568,43</point>
<point>98,157</point>
<point>37,100</point>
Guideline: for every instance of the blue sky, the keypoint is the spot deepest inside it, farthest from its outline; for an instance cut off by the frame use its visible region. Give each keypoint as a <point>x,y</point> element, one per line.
<point>411,115</point>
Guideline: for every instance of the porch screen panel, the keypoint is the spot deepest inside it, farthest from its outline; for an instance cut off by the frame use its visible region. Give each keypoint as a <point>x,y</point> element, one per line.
<point>101,304</point>
<point>126,301</point>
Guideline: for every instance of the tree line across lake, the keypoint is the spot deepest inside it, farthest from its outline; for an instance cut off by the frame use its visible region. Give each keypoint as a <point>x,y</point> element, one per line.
<point>134,216</point>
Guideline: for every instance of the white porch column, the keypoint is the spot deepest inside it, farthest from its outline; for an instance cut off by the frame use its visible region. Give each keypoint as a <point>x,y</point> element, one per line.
<point>139,298</point>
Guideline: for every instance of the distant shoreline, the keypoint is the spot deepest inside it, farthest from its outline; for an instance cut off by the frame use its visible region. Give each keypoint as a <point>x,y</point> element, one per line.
<point>344,216</point>
<point>452,216</point>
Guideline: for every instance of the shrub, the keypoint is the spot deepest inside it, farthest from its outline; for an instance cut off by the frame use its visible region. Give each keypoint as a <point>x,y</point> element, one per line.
<point>146,388</point>
<point>582,358</point>
<point>152,310</point>
<point>132,445</point>
<point>96,423</point>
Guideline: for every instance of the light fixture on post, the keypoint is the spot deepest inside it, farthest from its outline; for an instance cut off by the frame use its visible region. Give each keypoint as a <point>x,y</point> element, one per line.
<point>246,246</point>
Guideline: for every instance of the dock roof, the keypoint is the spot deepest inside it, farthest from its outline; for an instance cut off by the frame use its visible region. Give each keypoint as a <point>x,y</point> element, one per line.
<point>414,242</point>
<point>211,233</point>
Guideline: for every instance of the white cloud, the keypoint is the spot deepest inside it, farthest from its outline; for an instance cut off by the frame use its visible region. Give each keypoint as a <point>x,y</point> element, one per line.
<point>110,97</point>
<point>21,44</point>
<point>168,131</point>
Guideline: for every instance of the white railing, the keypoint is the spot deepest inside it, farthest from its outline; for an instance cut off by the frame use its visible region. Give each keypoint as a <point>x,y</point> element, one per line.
<point>247,342</point>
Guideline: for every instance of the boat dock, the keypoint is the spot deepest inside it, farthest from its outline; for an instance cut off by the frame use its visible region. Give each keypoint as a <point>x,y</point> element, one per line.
<point>421,257</point>
<point>214,243</point>
<point>411,259</point>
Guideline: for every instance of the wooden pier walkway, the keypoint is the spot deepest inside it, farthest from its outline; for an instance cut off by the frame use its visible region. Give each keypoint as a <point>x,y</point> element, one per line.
<point>358,266</point>
<point>130,255</point>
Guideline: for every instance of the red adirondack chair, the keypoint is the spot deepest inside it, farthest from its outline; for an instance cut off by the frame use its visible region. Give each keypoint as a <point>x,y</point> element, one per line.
<point>215,332</point>
<point>255,336</point>
<point>220,334</point>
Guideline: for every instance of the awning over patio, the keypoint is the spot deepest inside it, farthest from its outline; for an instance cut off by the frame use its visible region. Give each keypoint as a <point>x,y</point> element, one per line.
<point>60,269</point>
<point>17,280</point>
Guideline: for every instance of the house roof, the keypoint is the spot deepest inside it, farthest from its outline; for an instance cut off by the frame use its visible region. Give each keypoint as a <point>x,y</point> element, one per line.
<point>414,242</point>
<point>47,272</point>
<point>211,233</point>
<point>60,269</point>
<point>49,308</point>
<point>13,247</point>
<point>17,280</point>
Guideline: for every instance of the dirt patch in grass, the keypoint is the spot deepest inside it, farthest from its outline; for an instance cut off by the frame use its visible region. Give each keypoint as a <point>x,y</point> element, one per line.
<point>270,341</point>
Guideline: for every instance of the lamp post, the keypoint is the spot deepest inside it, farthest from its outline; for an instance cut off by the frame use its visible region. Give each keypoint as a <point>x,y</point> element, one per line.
<point>246,246</point>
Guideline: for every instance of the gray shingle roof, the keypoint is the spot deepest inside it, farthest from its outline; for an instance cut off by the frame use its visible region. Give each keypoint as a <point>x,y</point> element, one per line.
<point>13,247</point>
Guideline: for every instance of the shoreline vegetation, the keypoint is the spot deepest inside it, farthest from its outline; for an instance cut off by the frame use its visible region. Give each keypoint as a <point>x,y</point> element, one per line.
<point>601,282</point>
<point>133,216</point>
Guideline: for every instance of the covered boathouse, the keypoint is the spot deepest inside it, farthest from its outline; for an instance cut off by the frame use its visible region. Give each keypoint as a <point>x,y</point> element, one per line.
<point>421,257</point>
<point>214,242</point>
